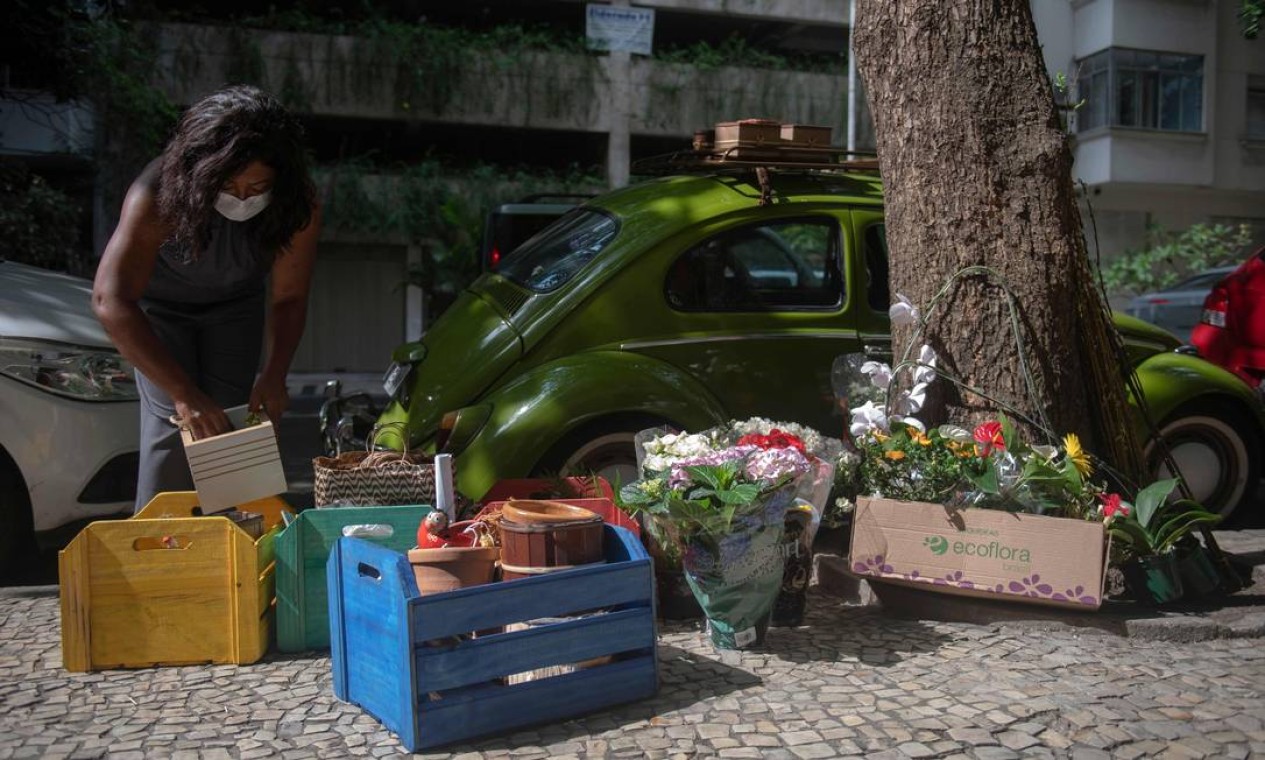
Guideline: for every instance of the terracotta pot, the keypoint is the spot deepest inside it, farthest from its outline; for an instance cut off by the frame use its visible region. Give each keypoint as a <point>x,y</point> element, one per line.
<point>452,568</point>
<point>540,537</point>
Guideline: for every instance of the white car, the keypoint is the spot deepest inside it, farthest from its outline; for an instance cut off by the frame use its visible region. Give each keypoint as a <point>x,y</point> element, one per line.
<point>69,417</point>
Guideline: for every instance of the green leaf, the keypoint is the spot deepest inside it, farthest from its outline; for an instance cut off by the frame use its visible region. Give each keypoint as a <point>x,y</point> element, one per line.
<point>1132,535</point>
<point>705,474</point>
<point>740,495</point>
<point>1008,434</point>
<point>632,495</point>
<point>986,481</point>
<point>1149,500</point>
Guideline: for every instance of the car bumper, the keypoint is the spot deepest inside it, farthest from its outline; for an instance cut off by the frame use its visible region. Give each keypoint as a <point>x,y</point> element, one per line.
<point>61,446</point>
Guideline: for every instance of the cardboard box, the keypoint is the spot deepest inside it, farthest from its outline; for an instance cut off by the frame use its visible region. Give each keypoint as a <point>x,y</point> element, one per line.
<point>980,552</point>
<point>806,136</point>
<point>241,465</point>
<point>747,132</point>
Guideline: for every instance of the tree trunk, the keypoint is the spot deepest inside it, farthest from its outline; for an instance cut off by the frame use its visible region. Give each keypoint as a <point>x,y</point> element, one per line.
<point>977,172</point>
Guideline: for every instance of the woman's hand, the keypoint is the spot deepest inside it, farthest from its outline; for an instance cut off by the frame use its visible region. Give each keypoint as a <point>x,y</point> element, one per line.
<point>270,395</point>
<point>201,415</point>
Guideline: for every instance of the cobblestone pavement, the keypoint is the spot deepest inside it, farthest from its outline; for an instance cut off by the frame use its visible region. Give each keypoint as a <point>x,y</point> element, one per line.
<point>850,682</point>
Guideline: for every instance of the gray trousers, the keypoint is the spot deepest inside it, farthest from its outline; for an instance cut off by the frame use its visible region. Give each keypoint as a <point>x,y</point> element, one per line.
<point>219,346</point>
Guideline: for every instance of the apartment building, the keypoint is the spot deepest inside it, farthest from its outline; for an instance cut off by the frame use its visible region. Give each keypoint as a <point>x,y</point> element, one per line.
<point>1172,127</point>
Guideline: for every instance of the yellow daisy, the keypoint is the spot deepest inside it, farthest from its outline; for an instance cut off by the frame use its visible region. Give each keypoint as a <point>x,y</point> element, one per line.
<point>895,455</point>
<point>919,438</point>
<point>1078,455</point>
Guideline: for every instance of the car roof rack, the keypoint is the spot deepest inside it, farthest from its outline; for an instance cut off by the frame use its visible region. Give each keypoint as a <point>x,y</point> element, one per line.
<point>792,159</point>
<point>760,143</point>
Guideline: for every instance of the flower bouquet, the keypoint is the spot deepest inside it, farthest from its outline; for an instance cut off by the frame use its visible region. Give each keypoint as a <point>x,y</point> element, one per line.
<point>806,512</point>
<point>726,506</point>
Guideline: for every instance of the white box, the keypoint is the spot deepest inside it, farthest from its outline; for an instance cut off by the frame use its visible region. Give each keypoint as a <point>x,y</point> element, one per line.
<point>233,468</point>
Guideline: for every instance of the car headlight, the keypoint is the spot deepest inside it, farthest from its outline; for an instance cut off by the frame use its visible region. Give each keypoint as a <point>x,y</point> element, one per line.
<point>86,374</point>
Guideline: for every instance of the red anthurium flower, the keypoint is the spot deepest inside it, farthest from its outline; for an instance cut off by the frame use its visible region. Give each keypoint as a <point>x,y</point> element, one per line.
<point>1111,506</point>
<point>989,437</point>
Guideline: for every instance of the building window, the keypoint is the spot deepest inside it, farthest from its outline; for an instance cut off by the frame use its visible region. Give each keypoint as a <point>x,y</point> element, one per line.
<point>1141,89</point>
<point>1256,108</point>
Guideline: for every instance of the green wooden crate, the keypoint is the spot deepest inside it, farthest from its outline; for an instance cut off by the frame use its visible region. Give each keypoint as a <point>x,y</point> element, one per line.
<point>303,548</point>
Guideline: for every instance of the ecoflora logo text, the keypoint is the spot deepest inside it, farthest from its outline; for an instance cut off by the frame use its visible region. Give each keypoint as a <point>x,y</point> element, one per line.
<point>938,544</point>
<point>983,549</point>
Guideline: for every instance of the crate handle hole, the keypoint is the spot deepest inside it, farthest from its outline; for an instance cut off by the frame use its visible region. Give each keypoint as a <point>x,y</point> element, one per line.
<point>369,571</point>
<point>372,530</point>
<point>151,543</point>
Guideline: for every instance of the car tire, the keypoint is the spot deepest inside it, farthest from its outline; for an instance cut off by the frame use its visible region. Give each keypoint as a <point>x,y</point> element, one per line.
<point>17,533</point>
<point>1217,451</point>
<point>604,448</point>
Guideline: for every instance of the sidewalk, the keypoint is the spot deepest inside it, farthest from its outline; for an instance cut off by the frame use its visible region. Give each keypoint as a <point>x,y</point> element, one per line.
<point>855,680</point>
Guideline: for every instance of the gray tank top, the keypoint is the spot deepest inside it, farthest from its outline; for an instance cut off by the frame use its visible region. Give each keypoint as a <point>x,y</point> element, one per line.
<point>231,267</point>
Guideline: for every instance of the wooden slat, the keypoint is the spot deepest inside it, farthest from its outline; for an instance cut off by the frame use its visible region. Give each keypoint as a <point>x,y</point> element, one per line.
<point>304,549</point>
<point>373,586</point>
<point>482,659</point>
<point>499,709</point>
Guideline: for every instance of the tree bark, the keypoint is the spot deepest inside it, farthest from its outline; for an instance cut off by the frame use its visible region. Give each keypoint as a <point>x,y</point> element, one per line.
<point>977,172</point>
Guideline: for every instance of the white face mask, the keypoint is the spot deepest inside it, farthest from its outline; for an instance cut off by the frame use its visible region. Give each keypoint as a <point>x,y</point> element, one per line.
<point>238,210</point>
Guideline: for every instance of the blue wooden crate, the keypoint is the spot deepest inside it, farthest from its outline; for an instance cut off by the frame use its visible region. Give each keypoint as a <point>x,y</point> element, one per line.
<point>409,660</point>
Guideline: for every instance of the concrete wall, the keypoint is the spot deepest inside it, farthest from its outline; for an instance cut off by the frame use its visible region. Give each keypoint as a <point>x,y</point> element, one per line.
<point>347,76</point>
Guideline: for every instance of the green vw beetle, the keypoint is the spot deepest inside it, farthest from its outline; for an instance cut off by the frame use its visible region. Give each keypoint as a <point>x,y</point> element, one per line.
<point>684,301</point>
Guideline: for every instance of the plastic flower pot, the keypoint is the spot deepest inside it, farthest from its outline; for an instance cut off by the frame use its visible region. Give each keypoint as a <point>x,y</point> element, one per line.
<point>736,577</point>
<point>1153,579</point>
<point>1198,575</point>
<point>792,598</point>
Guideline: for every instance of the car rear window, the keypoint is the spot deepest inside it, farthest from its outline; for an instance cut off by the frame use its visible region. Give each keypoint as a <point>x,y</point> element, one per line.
<point>549,260</point>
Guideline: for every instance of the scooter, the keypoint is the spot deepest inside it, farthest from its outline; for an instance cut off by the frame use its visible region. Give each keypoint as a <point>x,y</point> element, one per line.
<point>345,421</point>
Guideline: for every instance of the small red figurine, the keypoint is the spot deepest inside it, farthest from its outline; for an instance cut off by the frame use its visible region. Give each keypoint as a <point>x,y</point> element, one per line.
<point>436,533</point>
<point>433,532</point>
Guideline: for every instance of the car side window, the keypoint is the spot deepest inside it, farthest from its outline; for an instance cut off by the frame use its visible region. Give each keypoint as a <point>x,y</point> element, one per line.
<point>877,290</point>
<point>775,266</point>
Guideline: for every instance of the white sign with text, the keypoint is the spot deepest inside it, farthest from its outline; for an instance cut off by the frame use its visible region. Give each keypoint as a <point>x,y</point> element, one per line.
<point>620,28</point>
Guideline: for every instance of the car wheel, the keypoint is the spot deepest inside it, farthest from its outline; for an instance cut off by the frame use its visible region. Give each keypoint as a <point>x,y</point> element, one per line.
<point>17,537</point>
<point>1216,452</point>
<point>605,449</point>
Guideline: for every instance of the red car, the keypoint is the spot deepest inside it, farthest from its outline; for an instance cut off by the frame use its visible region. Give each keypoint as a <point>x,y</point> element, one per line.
<point>1231,331</point>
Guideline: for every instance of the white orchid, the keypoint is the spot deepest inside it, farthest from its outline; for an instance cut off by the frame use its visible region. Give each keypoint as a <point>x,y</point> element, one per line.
<point>925,372</point>
<point>903,312</point>
<point>879,373</point>
<point>867,418</point>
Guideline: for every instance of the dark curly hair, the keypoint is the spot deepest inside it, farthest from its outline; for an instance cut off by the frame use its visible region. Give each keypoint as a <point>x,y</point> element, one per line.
<point>217,138</point>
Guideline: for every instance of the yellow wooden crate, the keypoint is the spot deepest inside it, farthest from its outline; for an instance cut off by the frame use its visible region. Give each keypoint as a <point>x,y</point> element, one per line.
<point>168,588</point>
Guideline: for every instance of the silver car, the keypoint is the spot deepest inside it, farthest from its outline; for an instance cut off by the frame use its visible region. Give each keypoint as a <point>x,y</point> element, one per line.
<point>68,412</point>
<point>1177,308</point>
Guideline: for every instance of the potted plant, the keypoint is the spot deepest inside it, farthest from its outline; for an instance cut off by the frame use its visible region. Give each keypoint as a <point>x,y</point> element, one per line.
<point>1148,532</point>
<point>728,507</point>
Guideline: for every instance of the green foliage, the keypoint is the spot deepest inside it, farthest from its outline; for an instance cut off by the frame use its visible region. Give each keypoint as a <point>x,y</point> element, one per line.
<point>1250,15</point>
<point>911,465</point>
<point>39,225</point>
<point>707,506</point>
<point>1170,257</point>
<point>440,209</point>
<point>736,51</point>
<point>1154,525</point>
